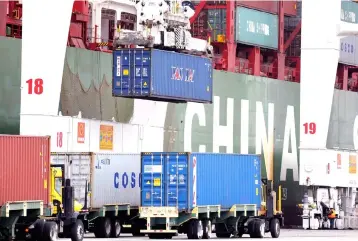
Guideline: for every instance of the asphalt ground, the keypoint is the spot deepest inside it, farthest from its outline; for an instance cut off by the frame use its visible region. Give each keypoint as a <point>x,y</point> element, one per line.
<point>286,234</point>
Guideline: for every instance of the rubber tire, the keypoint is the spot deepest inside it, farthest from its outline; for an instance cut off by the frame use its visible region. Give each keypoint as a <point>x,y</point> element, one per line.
<point>207,229</point>
<point>50,231</point>
<point>77,227</point>
<point>221,234</point>
<point>189,232</point>
<point>115,228</point>
<point>37,231</point>
<point>252,228</point>
<point>275,228</point>
<point>257,228</point>
<point>197,225</point>
<point>102,228</point>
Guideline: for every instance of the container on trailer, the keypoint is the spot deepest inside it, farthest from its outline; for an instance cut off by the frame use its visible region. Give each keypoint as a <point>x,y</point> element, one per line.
<point>153,74</point>
<point>112,178</point>
<point>186,180</point>
<point>348,52</point>
<point>24,172</point>
<point>256,28</point>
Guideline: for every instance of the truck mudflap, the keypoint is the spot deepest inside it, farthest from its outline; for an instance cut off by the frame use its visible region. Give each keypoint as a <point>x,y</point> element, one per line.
<point>167,220</point>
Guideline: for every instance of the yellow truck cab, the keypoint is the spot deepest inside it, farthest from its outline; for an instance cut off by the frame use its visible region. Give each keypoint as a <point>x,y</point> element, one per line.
<point>56,189</point>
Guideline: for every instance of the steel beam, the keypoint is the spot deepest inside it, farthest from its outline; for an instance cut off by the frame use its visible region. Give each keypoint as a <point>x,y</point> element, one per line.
<point>230,36</point>
<point>198,10</point>
<point>292,36</point>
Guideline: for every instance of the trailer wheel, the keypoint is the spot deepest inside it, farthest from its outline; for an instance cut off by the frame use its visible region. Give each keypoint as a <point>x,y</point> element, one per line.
<point>198,230</point>
<point>77,231</point>
<point>115,229</point>
<point>221,231</point>
<point>207,229</point>
<point>258,229</point>
<point>37,230</point>
<point>275,228</point>
<point>50,231</point>
<point>102,228</point>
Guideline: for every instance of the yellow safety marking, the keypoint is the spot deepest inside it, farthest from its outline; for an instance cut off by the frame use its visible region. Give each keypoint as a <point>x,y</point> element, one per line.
<point>157,182</point>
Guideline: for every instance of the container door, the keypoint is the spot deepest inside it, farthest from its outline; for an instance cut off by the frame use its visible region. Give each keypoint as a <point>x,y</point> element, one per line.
<point>78,169</point>
<point>177,180</point>
<point>121,72</point>
<point>141,71</point>
<point>152,180</point>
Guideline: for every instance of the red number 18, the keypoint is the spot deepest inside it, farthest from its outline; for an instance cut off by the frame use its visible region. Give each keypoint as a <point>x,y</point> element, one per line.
<point>38,88</point>
<point>310,128</point>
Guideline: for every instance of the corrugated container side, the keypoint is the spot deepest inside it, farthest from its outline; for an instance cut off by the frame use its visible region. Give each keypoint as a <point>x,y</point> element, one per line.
<point>186,180</point>
<point>165,75</point>
<point>266,6</point>
<point>80,171</point>
<point>348,52</point>
<point>225,179</point>
<point>24,172</point>
<point>256,28</point>
<point>270,6</point>
<point>115,179</point>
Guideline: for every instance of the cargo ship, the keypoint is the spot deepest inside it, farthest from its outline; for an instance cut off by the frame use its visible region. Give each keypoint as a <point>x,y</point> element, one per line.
<point>256,94</point>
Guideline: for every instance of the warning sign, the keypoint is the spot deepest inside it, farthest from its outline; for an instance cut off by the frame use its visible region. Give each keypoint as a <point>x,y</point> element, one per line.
<point>80,132</point>
<point>352,164</point>
<point>157,182</point>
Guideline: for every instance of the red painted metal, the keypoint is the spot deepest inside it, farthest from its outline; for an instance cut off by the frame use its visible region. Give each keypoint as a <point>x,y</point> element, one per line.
<point>255,60</point>
<point>230,54</point>
<point>279,63</point>
<point>3,17</point>
<point>292,36</point>
<point>198,9</point>
<point>24,172</point>
<point>266,6</point>
<point>290,7</point>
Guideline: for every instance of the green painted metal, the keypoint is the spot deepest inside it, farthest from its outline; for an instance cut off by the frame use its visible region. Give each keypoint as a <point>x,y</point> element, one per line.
<point>10,76</point>
<point>349,11</point>
<point>256,28</point>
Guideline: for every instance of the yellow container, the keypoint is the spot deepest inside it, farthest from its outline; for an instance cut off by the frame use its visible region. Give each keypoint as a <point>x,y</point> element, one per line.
<point>221,38</point>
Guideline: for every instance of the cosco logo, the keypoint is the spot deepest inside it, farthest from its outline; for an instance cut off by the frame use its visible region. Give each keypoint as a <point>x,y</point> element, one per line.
<point>347,48</point>
<point>126,180</point>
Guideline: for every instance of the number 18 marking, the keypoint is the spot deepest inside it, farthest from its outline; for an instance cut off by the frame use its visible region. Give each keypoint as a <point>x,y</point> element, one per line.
<point>35,86</point>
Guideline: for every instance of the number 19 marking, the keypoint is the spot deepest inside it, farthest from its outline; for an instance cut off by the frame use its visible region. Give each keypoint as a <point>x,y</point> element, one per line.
<point>310,128</point>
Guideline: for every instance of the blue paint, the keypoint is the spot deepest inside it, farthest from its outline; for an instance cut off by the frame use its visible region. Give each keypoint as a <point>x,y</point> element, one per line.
<point>126,180</point>
<point>161,75</point>
<point>221,179</point>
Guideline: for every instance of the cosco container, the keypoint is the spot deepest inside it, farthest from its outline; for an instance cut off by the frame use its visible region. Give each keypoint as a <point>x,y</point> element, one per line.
<point>111,178</point>
<point>348,52</point>
<point>186,180</point>
<point>256,28</point>
<point>24,168</point>
<point>161,75</point>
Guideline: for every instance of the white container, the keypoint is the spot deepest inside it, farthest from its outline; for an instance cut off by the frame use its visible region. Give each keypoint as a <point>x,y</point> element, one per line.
<point>112,178</point>
<point>115,179</point>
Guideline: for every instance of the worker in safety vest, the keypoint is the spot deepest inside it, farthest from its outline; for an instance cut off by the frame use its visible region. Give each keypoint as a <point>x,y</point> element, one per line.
<point>332,217</point>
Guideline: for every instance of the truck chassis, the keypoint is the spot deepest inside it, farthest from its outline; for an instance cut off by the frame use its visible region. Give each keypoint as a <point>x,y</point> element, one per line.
<point>240,219</point>
<point>112,220</point>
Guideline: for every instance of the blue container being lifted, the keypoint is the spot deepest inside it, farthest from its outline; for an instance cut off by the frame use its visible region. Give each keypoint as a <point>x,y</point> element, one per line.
<point>159,75</point>
<point>187,180</point>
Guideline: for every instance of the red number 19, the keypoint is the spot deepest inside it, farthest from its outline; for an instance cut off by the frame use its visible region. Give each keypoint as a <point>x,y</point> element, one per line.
<point>310,128</point>
<point>35,86</point>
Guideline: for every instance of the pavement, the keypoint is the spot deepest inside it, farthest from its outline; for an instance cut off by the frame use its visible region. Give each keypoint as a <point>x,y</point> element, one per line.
<point>286,234</point>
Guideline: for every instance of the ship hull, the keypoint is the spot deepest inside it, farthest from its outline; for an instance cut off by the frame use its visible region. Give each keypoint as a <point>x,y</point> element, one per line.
<point>249,114</point>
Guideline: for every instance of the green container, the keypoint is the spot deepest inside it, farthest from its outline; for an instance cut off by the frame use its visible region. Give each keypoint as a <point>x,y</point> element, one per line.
<point>349,12</point>
<point>256,28</point>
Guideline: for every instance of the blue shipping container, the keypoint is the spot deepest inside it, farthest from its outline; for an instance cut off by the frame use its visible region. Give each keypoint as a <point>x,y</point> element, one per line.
<point>161,75</point>
<point>186,180</point>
